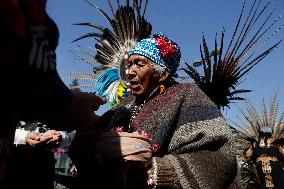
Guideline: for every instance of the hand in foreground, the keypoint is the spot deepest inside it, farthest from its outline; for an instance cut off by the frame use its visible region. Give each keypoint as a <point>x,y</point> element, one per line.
<point>80,114</point>
<point>135,147</point>
<point>113,145</point>
<point>32,138</point>
<point>134,152</point>
<point>49,139</point>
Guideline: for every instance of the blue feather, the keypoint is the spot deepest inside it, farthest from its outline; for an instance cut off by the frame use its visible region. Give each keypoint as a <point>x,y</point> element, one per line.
<point>104,80</point>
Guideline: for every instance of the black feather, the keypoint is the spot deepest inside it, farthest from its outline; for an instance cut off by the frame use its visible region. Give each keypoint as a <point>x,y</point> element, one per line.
<point>220,82</point>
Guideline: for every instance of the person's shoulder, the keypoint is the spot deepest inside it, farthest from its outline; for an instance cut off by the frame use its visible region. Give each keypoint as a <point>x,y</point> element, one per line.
<point>192,91</point>
<point>182,87</point>
<point>185,89</point>
<point>188,88</point>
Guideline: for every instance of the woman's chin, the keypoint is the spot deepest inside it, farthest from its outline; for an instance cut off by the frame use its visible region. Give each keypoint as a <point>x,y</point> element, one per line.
<point>137,90</point>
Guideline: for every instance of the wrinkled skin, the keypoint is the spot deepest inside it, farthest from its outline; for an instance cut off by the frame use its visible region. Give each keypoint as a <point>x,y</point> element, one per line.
<point>142,75</point>
<point>49,139</point>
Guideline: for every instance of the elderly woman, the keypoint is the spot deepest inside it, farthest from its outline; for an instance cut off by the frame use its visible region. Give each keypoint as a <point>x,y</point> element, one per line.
<point>189,141</point>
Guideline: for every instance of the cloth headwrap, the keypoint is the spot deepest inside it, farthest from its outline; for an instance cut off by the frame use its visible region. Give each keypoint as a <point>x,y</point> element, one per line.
<point>160,50</point>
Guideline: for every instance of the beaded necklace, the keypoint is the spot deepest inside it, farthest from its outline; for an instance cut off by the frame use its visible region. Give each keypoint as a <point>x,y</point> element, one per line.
<point>136,108</point>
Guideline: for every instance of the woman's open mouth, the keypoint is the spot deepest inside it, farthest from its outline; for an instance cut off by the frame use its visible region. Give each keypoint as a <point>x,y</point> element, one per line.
<point>135,85</point>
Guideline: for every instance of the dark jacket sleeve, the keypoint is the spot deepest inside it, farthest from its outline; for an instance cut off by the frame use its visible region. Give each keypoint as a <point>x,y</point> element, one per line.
<point>27,56</point>
<point>41,94</point>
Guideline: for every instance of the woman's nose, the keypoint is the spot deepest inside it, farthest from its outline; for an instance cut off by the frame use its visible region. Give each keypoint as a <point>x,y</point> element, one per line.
<point>131,73</point>
<point>132,69</point>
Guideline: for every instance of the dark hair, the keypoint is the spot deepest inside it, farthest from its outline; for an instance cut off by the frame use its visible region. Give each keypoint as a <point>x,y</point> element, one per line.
<point>265,134</point>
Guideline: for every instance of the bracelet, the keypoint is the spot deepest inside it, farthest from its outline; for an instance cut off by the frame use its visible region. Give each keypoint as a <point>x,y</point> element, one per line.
<point>152,174</point>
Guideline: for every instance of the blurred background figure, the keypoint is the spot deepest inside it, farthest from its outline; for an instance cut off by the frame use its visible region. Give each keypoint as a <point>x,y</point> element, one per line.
<point>268,156</point>
<point>260,141</point>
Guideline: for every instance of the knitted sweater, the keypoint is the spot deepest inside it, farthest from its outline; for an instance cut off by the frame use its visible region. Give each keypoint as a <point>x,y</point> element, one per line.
<point>196,148</point>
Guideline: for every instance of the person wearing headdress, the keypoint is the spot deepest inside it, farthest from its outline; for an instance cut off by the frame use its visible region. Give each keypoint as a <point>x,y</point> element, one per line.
<point>260,143</point>
<point>268,155</point>
<point>33,90</point>
<point>164,135</point>
<point>269,159</point>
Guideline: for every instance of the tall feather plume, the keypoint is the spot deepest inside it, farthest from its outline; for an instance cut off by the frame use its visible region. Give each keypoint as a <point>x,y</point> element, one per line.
<point>127,27</point>
<point>264,113</point>
<point>223,73</point>
<point>274,105</point>
<point>254,114</point>
<point>248,129</point>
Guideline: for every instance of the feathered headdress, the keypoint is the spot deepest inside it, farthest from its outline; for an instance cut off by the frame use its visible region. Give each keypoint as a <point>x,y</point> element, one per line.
<point>248,129</point>
<point>256,122</point>
<point>224,69</point>
<point>128,27</point>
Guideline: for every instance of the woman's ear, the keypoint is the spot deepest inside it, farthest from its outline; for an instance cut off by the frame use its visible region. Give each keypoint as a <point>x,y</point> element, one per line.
<point>164,75</point>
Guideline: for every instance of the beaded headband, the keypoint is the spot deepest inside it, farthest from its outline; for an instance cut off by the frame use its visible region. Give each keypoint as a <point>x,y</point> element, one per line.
<point>161,50</point>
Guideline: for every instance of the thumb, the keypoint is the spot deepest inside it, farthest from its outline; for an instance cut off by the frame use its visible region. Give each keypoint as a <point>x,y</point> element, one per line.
<point>33,136</point>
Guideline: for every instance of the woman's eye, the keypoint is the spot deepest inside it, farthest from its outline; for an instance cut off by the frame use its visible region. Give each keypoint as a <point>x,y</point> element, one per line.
<point>129,65</point>
<point>140,63</point>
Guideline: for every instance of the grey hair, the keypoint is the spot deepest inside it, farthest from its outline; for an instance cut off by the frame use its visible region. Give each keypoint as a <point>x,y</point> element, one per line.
<point>159,68</point>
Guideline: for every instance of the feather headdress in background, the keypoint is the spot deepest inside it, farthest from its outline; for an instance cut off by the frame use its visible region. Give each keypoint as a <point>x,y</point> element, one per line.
<point>254,122</point>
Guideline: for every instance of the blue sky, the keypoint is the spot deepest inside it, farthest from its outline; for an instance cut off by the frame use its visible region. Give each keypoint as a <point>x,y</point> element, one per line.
<point>184,21</point>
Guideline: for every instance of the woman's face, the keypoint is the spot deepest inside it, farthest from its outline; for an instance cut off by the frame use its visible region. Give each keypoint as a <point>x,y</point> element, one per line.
<point>142,75</point>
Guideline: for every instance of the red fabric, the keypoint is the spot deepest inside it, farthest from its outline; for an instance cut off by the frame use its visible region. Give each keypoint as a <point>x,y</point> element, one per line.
<point>17,17</point>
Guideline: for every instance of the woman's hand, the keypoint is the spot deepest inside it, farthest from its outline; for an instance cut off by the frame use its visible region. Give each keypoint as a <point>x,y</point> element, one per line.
<point>135,147</point>
<point>128,154</point>
<point>32,138</point>
<point>49,139</point>
<point>113,145</point>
